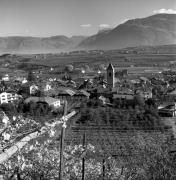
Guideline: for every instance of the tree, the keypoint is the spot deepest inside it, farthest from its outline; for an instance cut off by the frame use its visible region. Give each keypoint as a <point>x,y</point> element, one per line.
<point>69,68</point>
<point>31,77</point>
<point>139,155</point>
<point>9,108</point>
<point>87,68</point>
<point>139,100</point>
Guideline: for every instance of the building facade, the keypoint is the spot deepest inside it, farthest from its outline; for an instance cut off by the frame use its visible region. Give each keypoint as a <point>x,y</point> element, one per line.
<point>8,97</point>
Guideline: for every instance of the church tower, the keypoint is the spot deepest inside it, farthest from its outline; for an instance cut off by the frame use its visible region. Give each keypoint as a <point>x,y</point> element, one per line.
<point>110,76</point>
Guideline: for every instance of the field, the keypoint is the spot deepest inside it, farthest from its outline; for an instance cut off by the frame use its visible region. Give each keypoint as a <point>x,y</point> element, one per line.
<point>117,60</point>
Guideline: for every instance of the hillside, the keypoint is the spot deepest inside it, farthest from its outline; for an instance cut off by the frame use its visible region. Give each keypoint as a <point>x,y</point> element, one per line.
<point>159,29</point>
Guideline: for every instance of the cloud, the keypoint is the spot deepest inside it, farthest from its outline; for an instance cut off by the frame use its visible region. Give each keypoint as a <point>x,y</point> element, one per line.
<point>165,11</point>
<point>104,26</point>
<point>86,25</point>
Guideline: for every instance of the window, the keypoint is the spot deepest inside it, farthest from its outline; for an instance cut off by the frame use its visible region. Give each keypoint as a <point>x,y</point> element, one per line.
<point>110,74</point>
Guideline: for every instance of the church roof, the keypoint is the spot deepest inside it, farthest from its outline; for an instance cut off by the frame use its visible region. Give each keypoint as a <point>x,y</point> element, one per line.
<point>110,66</point>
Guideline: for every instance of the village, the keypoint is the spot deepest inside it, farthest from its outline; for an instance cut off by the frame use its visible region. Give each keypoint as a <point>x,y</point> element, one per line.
<point>111,87</point>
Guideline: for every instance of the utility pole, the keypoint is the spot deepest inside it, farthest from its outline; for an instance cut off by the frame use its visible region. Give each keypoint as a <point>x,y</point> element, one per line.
<point>62,144</point>
<point>83,159</point>
<point>103,169</point>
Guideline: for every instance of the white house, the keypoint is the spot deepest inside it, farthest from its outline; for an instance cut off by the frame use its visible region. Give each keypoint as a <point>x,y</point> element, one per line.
<point>8,97</point>
<point>53,102</point>
<point>5,78</point>
<point>24,81</point>
<point>47,87</point>
<point>103,99</point>
<point>33,89</point>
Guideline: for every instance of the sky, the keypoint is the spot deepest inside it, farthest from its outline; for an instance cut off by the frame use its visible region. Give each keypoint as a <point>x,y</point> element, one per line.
<point>43,18</point>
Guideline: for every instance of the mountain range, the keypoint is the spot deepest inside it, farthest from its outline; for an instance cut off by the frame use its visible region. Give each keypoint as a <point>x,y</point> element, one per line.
<point>32,45</point>
<point>158,29</point>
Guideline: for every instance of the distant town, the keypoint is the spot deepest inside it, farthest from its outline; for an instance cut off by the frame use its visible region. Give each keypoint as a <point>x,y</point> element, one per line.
<point>110,85</point>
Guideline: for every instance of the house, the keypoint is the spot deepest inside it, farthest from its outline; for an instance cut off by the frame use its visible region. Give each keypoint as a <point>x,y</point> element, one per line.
<point>53,102</point>
<point>121,73</point>
<point>5,78</point>
<point>8,97</point>
<point>145,94</point>
<point>103,99</point>
<point>167,109</point>
<point>52,79</point>
<point>172,93</point>
<point>47,87</point>
<point>71,84</point>
<point>24,81</point>
<point>21,80</point>
<point>81,95</point>
<point>33,88</point>
<point>127,96</point>
<point>143,80</point>
<point>122,93</point>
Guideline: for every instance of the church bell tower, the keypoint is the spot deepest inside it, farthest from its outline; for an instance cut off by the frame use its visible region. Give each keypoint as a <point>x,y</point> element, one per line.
<point>110,76</point>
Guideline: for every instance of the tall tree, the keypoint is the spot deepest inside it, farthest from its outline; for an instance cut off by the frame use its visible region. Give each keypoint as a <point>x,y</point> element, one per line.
<point>31,77</point>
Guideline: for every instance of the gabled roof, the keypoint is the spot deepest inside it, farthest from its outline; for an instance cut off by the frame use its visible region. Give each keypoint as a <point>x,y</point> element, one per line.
<point>165,105</point>
<point>48,100</point>
<point>51,100</point>
<point>85,93</point>
<point>144,79</point>
<point>172,93</point>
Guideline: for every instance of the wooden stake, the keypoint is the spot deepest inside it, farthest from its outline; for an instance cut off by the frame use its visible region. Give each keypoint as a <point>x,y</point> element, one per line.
<point>83,159</point>
<point>103,169</point>
<point>62,146</point>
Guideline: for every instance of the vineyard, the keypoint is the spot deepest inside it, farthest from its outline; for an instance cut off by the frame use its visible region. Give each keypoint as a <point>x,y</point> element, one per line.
<point>109,140</point>
<point>31,150</point>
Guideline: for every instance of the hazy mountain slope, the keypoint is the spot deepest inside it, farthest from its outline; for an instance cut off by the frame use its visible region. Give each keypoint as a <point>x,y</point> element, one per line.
<point>38,45</point>
<point>158,29</point>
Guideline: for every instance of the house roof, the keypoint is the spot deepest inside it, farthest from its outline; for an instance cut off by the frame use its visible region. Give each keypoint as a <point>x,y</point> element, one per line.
<point>166,104</point>
<point>48,100</point>
<point>51,100</point>
<point>144,79</point>
<point>34,99</point>
<point>85,93</point>
<point>172,93</point>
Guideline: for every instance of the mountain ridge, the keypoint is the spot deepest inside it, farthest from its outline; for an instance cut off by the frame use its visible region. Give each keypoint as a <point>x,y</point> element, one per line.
<point>158,29</point>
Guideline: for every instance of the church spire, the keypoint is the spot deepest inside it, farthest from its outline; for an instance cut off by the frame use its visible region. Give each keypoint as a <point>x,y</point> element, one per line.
<point>110,66</point>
